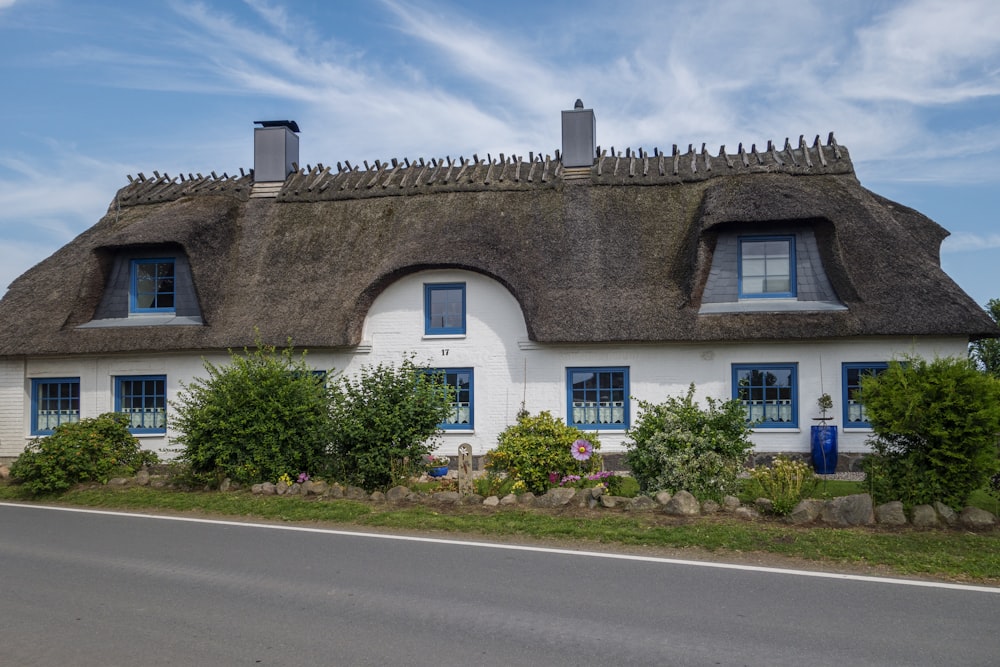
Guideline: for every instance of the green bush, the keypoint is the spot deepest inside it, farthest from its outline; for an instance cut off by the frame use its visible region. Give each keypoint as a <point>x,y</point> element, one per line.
<point>385,422</point>
<point>936,425</point>
<point>537,452</point>
<point>784,482</point>
<point>678,446</point>
<point>90,450</point>
<point>264,414</point>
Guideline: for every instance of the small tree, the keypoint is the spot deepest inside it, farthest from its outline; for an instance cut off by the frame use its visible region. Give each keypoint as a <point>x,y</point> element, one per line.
<point>936,425</point>
<point>986,352</point>
<point>537,452</point>
<point>263,415</point>
<point>678,446</point>
<point>90,450</point>
<point>385,422</point>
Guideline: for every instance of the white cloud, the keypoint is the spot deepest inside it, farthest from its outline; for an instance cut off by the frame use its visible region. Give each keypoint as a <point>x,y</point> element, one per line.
<point>969,242</point>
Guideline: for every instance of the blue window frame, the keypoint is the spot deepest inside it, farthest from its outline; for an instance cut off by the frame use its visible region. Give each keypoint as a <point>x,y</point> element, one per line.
<point>597,398</point>
<point>444,308</point>
<point>152,286</point>
<point>144,399</point>
<point>461,381</point>
<point>769,393</point>
<point>767,267</point>
<point>54,401</point>
<point>854,412</point>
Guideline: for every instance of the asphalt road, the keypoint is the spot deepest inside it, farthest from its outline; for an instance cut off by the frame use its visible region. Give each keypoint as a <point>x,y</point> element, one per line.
<point>83,588</point>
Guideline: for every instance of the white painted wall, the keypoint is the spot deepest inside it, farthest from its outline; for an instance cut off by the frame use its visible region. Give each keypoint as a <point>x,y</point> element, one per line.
<point>509,369</point>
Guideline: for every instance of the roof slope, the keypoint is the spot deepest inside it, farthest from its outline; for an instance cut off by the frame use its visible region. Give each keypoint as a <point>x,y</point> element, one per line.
<point>616,253</point>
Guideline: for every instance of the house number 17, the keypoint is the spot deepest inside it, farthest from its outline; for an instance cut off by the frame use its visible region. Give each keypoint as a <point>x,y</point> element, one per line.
<point>444,352</point>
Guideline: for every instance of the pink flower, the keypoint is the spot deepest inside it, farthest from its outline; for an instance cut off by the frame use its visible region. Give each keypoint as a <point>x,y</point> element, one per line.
<point>582,449</point>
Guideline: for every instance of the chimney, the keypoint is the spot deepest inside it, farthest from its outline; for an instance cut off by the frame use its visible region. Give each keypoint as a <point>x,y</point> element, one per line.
<point>275,148</point>
<point>579,136</point>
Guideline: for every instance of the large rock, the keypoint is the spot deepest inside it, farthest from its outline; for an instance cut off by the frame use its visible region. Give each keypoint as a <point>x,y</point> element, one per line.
<point>509,499</point>
<point>5,472</point>
<point>314,488</point>
<point>355,493</point>
<point>946,513</point>
<point>492,501</point>
<point>925,516</point>
<point>397,494</point>
<point>446,497</point>
<point>975,518</point>
<point>377,497</point>
<point>709,507</point>
<point>683,504</point>
<point>891,514</point>
<point>807,511</point>
<point>141,477</point>
<point>663,497</point>
<point>730,503</point>
<point>642,504</point>
<point>556,497</point>
<point>471,499</point>
<point>527,499</point>
<point>268,489</point>
<point>853,510</point>
<point>746,513</point>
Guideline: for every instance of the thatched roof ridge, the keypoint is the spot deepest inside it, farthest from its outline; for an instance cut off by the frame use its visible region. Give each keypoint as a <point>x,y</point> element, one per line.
<point>619,255</point>
<point>400,177</point>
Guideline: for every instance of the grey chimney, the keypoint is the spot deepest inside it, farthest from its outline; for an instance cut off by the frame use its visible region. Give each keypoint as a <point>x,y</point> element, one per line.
<point>275,148</point>
<point>579,136</point>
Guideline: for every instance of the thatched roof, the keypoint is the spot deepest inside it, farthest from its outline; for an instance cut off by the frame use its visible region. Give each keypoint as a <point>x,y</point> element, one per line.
<point>616,253</point>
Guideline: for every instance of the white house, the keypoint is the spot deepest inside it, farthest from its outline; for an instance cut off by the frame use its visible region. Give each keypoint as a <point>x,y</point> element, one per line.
<point>579,285</point>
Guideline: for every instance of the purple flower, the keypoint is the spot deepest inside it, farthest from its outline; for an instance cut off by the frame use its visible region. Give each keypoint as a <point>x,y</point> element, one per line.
<point>303,477</point>
<point>582,449</point>
<point>553,477</point>
<point>569,479</point>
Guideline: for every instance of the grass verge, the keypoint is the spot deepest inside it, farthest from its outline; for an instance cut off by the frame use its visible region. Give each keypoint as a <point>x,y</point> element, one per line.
<point>947,554</point>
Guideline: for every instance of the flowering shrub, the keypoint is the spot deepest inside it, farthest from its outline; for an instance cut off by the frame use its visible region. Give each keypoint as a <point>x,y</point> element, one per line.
<point>436,461</point>
<point>678,446</point>
<point>538,451</point>
<point>609,480</point>
<point>784,482</point>
<point>89,450</point>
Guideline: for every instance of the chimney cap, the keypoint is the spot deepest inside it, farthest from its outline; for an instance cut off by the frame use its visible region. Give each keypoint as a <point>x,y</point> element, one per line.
<point>579,104</point>
<point>290,124</point>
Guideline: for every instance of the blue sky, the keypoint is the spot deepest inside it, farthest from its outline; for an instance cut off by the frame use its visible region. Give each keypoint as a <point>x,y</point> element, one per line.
<point>95,90</point>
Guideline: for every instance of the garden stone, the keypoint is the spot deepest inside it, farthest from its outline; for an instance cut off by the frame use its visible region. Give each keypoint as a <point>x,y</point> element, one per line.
<point>924,516</point>
<point>377,497</point>
<point>746,513</point>
<point>642,504</point>
<point>556,497</point>
<point>891,514</point>
<point>446,497</point>
<point>396,494</point>
<point>764,505</point>
<point>730,503</point>
<point>975,518</point>
<point>141,477</point>
<point>268,489</point>
<point>335,491</point>
<point>946,513</point>
<point>295,489</point>
<point>256,489</point>
<point>492,501</point>
<point>807,511</point>
<point>312,488</point>
<point>4,472</point>
<point>610,501</point>
<point>853,510</point>
<point>527,499</point>
<point>509,499</point>
<point>663,497</point>
<point>471,499</point>
<point>683,504</point>
<point>281,488</point>
<point>118,481</point>
<point>709,507</point>
<point>355,493</point>
<point>596,491</point>
<point>224,486</point>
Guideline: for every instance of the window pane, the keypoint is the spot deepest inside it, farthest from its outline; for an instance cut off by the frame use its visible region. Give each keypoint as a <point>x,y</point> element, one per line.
<point>444,308</point>
<point>766,267</point>
<point>144,400</point>
<point>767,393</point>
<point>598,397</point>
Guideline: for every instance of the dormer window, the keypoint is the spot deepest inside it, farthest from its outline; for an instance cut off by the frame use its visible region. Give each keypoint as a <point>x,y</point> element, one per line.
<point>767,267</point>
<point>444,309</point>
<point>152,285</point>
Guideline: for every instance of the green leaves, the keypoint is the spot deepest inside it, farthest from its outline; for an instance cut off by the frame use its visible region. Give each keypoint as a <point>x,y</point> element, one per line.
<point>676,445</point>
<point>936,426</point>
<point>264,414</point>
<point>384,422</point>
<point>91,450</point>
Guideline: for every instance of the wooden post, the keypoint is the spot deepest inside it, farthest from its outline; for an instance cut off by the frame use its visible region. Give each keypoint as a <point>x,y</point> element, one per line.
<point>465,468</point>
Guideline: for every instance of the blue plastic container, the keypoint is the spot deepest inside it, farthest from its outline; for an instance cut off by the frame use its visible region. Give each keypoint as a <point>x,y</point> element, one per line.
<point>440,471</point>
<point>824,449</point>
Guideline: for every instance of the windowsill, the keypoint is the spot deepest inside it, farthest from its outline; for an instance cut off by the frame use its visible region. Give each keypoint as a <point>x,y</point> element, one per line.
<point>443,336</point>
<point>769,305</point>
<point>857,429</point>
<point>144,320</point>
<point>458,431</point>
<point>776,429</point>
<point>149,435</point>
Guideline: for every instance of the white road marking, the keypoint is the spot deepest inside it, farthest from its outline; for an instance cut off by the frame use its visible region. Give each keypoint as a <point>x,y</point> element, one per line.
<point>516,547</point>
